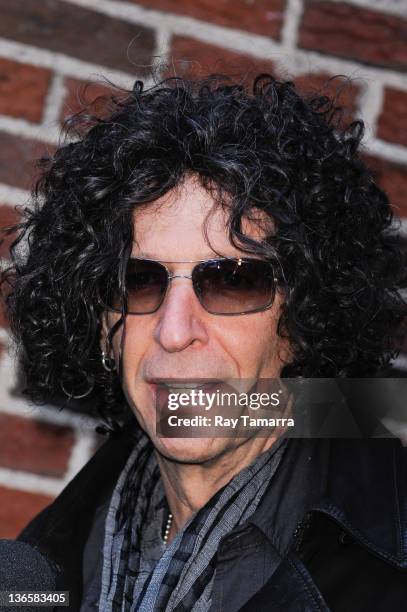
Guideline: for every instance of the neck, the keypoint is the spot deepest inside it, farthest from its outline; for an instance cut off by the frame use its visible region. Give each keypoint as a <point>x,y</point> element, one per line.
<point>189,486</point>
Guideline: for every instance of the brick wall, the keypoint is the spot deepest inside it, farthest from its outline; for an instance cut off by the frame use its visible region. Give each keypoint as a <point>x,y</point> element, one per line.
<point>49,49</point>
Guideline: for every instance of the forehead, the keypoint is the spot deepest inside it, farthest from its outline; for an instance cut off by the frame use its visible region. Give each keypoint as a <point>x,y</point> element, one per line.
<point>172,227</point>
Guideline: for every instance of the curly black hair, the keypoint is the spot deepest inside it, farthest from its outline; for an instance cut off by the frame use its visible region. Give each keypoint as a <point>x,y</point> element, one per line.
<point>260,147</point>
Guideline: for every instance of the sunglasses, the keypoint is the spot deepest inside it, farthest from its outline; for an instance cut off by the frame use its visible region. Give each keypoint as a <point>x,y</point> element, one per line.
<point>230,286</point>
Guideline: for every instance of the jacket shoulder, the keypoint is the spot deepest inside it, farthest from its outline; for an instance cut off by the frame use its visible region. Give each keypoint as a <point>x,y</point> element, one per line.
<point>69,517</point>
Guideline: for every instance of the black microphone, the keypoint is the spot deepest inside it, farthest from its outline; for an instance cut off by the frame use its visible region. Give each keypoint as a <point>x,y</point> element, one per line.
<point>22,568</point>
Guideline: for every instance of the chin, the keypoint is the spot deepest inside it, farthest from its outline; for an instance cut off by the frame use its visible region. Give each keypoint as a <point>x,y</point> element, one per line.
<point>190,450</point>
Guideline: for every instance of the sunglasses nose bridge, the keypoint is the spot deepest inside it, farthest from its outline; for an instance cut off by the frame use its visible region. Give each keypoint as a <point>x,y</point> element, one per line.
<point>188,276</point>
<point>172,276</point>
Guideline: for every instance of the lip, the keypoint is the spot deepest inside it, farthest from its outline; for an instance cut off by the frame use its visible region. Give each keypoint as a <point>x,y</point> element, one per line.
<point>170,380</point>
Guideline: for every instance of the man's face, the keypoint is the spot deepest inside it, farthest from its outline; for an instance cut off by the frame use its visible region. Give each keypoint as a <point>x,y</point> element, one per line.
<point>181,340</point>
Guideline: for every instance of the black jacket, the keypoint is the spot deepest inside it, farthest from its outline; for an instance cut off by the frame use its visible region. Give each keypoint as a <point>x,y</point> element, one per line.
<point>330,533</point>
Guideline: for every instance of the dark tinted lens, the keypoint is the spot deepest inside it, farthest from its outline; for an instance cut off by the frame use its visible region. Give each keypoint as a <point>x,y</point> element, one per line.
<point>146,283</point>
<point>236,286</point>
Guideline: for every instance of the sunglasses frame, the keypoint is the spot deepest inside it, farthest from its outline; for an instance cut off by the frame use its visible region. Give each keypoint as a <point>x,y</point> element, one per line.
<point>171,276</point>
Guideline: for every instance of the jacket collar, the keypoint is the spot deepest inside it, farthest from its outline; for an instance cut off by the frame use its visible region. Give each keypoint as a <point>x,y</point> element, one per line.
<point>359,483</point>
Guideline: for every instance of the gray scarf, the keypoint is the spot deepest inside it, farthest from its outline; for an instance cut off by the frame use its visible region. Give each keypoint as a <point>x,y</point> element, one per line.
<point>139,572</point>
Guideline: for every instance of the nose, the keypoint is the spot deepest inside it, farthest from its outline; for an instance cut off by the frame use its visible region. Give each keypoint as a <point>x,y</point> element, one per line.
<point>181,320</point>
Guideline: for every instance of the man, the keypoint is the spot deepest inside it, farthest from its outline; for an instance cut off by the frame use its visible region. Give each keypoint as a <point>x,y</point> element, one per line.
<point>203,231</point>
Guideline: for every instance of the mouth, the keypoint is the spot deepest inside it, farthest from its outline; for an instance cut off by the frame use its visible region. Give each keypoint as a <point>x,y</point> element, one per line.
<point>190,382</point>
<point>163,387</point>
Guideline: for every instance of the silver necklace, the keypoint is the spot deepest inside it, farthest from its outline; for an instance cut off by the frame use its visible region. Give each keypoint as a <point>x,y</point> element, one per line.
<point>167,528</point>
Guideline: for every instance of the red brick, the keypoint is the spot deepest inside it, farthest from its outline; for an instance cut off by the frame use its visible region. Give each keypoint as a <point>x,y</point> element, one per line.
<point>17,159</point>
<point>392,125</point>
<point>344,91</point>
<point>357,33</point>
<point>191,57</point>
<point>77,31</point>
<point>34,446</point>
<point>17,508</point>
<point>393,180</point>
<point>86,94</point>
<point>258,16</point>
<point>8,217</point>
<point>23,90</point>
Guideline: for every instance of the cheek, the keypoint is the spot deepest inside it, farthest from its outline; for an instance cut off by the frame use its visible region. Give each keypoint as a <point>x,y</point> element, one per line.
<point>257,348</point>
<point>250,342</point>
<point>134,345</point>
<point>133,342</point>
<point>130,340</point>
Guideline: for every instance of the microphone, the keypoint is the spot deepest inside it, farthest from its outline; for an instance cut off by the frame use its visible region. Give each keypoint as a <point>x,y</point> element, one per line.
<point>22,568</point>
